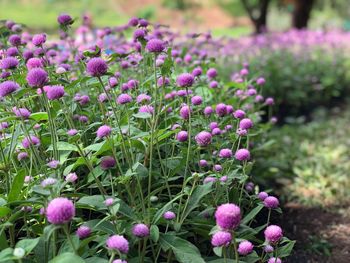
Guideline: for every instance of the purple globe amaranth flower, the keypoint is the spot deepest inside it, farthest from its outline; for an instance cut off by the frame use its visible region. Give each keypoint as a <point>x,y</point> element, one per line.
<point>246,124</point>
<point>8,87</point>
<point>196,100</point>
<point>213,125</point>
<point>15,40</point>
<point>262,196</point>
<point>143,98</point>
<point>221,238</point>
<point>209,179</point>
<point>118,242</point>
<point>268,249</point>
<point>163,81</point>
<point>221,109</point>
<point>107,162</point>
<point>273,233</point>
<point>48,182</point>
<point>213,84</point>
<point>245,248</point>
<point>31,140</point>
<point>169,215</point>
<point>109,201</point>
<point>274,260</point>
<point>72,132</point>
<point>203,163</point>
<point>212,73</point>
<point>139,33</point>
<point>143,22</point>
<point>53,164</point>
<point>65,19</point>
<point>203,138</point>
<point>241,132</point>
<point>225,153</point>
<point>83,232</point>
<point>223,178</point>
<point>242,155</point>
<point>269,101</point>
<point>34,63</point>
<point>39,39</point>
<point>239,114</point>
<point>229,109</point>
<point>55,92</point>
<point>12,52</point>
<point>21,112</point>
<point>197,71</point>
<point>185,80</point>
<point>140,230</point>
<point>28,179</point>
<point>185,112</point>
<point>208,111</point>
<point>271,202</point>
<point>60,211</point>
<point>155,45</point>
<point>71,177</point>
<point>182,136</point>
<point>217,168</point>
<point>8,63</point>
<point>146,109</point>
<point>22,155</point>
<point>249,186</point>
<point>260,81</point>
<point>119,261</point>
<point>37,77</point>
<point>228,216</point>
<point>134,21</point>
<point>103,131</point>
<point>96,67</point>
<point>124,99</point>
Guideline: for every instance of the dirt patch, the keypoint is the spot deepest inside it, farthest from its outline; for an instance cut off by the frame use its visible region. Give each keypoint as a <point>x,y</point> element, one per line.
<point>317,232</point>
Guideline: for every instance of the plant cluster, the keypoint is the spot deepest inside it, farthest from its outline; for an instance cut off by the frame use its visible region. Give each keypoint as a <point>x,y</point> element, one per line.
<point>129,150</point>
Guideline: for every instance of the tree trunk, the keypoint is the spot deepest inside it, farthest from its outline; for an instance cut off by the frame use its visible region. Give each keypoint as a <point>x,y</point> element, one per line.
<point>258,14</point>
<point>301,14</point>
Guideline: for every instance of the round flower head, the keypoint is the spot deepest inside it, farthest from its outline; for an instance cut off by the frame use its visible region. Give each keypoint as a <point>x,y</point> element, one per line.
<point>260,81</point>
<point>155,45</point>
<point>71,177</point>
<point>37,77</point>
<point>48,182</point>
<point>12,52</point>
<point>107,162</point>
<point>271,202</point>
<point>182,136</point>
<point>163,81</point>
<point>169,215</point>
<point>140,230</point>
<point>139,33</point>
<point>212,73</point>
<point>216,131</point>
<point>203,138</point>
<point>209,179</point>
<point>185,112</point>
<point>143,98</point>
<point>221,109</point>
<point>34,63</point>
<point>96,67</point>
<point>22,155</point>
<point>223,179</point>
<point>225,153</point>
<point>109,201</point>
<point>242,155</point>
<point>221,238</point>
<point>53,164</point>
<point>83,232</point>
<point>262,196</point>
<point>134,21</point>
<point>217,168</point>
<point>239,114</point>
<point>119,261</point>
<point>72,132</point>
<point>104,131</point>
<point>117,242</point>
<point>213,84</point>
<point>196,100</point>
<point>8,87</point>
<point>185,80</point>
<point>213,125</point>
<point>203,163</point>
<point>268,249</point>
<point>28,141</point>
<point>8,63</point>
<point>274,260</point>
<point>147,109</point>
<point>143,22</point>
<point>124,99</point>
<point>60,211</point>
<point>65,19</point>
<point>269,101</point>
<point>245,248</point>
<point>21,112</point>
<point>273,233</point>
<point>228,216</point>
<point>28,179</point>
<point>245,124</point>
<point>208,111</point>
<point>39,39</point>
<point>197,72</point>
<point>15,40</point>
<point>55,92</point>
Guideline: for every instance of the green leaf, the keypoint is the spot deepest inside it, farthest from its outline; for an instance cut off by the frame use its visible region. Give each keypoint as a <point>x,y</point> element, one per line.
<point>16,187</point>
<point>28,244</point>
<point>184,251</point>
<point>165,208</point>
<point>137,169</point>
<point>4,211</point>
<point>93,202</point>
<point>221,260</point>
<point>252,214</point>
<point>64,146</point>
<point>285,250</point>
<point>67,257</point>
<point>96,260</point>
<point>6,255</point>
<point>142,115</point>
<point>39,116</point>
<point>154,233</point>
